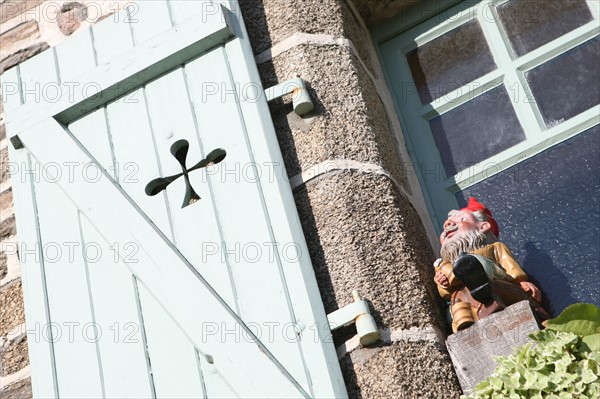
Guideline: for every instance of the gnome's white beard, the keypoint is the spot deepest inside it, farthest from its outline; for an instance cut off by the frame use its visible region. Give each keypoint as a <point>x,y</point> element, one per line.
<point>466,242</point>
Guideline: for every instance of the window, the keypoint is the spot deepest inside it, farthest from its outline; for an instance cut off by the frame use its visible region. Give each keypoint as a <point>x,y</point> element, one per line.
<point>500,99</point>
<point>487,84</point>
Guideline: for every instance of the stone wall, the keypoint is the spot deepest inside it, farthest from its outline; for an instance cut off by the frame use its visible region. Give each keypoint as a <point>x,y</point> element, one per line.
<point>26,29</point>
<point>362,213</point>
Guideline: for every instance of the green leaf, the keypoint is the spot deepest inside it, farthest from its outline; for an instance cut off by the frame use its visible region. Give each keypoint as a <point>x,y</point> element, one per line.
<point>587,376</point>
<point>592,342</point>
<point>581,319</point>
<point>496,383</point>
<point>558,366</point>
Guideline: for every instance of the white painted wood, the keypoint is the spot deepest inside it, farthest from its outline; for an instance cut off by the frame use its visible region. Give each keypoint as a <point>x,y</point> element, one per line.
<point>175,368</point>
<point>266,279</point>
<point>172,120</point>
<point>558,46</point>
<point>247,362</point>
<point>185,9</point>
<point>37,317</point>
<point>39,81</point>
<point>121,345</point>
<point>134,149</point>
<point>36,82</point>
<point>149,20</point>
<point>498,40</point>
<point>252,254</point>
<point>120,75</point>
<point>92,132</point>
<point>594,8</point>
<point>11,91</point>
<point>463,94</point>
<point>525,108</point>
<point>78,367</point>
<point>112,39</point>
<point>76,56</point>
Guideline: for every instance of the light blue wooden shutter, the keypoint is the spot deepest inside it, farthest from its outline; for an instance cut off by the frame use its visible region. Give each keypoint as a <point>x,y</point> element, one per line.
<point>133,296</point>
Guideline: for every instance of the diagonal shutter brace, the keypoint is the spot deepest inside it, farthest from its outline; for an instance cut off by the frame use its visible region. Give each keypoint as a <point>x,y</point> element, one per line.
<point>297,88</point>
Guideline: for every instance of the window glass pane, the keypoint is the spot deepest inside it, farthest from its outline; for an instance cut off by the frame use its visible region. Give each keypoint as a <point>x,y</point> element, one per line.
<point>530,24</point>
<point>568,84</point>
<point>450,61</point>
<point>548,209</point>
<point>476,130</point>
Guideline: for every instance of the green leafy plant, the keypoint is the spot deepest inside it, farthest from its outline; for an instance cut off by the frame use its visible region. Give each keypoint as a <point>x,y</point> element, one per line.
<point>582,319</point>
<point>562,362</point>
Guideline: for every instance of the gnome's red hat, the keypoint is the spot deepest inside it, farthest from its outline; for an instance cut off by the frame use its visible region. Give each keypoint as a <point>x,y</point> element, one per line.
<point>475,205</point>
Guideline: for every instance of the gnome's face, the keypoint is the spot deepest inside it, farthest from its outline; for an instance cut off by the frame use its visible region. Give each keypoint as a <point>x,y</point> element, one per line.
<point>463,232</point>
<point>460,224</point>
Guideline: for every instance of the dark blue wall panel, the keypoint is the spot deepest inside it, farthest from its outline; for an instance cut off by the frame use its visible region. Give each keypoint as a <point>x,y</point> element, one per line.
<point>548,209</point>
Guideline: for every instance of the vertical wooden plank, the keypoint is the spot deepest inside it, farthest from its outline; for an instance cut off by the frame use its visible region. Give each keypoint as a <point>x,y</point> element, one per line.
<point>75,336</point>
<point>39,79</point>
<point>120,345</point>
<point>175,367</point>
<point>196,227</point>
<point>149,18</point>
<point>321,364</point>
<point>184,9</point>
<point>135,155</point>
<point>112,36</point>
<point>92,132</point>
<point>41,351</point>
<point>76,56</point>
<point>38,83</point>
<point>114,303</point>
<point>253,254</point>
<point>11,90</point>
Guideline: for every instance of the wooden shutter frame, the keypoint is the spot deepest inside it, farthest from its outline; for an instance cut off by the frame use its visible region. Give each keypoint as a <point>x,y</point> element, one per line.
<point>27,125</point>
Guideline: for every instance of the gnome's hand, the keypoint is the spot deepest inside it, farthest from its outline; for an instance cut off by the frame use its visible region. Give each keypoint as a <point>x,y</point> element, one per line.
<point>441,279</point>
<point>532,290</point>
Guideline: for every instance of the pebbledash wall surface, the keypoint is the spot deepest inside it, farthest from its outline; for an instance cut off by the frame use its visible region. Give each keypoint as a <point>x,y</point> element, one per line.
<point>363,215</point>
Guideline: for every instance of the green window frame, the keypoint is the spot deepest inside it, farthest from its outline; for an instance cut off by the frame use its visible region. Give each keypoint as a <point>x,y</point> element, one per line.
<point>430,20</point>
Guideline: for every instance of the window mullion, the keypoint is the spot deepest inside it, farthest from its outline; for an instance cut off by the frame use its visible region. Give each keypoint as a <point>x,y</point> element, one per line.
<point>558,46</point>
<point>594,8</point>
<point>524,104</point>
<point>461,95</point>
<point>522,101</point>
<point>489,21</point>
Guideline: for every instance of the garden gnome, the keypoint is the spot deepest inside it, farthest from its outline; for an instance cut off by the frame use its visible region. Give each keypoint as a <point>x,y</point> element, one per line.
<point>477,273</point>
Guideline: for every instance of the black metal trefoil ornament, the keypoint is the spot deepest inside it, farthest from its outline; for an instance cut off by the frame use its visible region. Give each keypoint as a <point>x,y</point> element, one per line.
<point>179,149</point>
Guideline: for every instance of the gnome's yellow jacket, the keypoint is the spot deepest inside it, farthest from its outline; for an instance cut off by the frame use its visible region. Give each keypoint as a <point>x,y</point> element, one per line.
<point>497,252</point>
